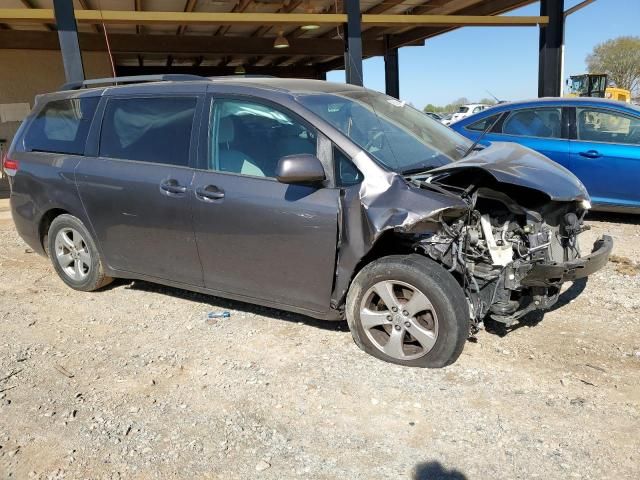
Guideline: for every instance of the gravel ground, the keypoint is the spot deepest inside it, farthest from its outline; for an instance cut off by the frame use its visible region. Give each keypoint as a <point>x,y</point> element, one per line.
<point>134,382</point>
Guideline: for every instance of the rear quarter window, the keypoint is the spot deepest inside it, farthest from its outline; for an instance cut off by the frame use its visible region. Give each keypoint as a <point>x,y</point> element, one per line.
<point>156,130</point>
<point>61,126</point>
<point>483,124</point>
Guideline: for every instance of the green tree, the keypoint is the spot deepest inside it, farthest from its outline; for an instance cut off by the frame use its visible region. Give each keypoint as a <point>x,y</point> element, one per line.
<point>487,101</point>
<point>619,58</point>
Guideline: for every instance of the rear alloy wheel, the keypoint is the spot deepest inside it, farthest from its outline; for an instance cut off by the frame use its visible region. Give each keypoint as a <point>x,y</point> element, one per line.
<point>408,310</point>
<point>74,254</point>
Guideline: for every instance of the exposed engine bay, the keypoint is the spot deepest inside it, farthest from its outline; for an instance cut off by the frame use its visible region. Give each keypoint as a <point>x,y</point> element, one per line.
<point>511,251</point>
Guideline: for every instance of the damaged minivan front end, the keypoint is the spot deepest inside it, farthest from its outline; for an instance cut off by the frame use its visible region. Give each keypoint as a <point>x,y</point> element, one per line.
<point>517,241</point>
<point>436,233</point>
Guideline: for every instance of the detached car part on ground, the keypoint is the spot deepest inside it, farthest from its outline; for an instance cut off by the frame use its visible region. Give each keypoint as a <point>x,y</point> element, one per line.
<point>397,223</point>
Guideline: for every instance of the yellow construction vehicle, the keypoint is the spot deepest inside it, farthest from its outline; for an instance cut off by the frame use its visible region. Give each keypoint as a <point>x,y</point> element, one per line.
<point>596,85</point>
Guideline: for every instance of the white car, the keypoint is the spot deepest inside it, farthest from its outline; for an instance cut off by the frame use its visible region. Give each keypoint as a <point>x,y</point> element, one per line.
<point>467,110</point>
<point>446,119</point>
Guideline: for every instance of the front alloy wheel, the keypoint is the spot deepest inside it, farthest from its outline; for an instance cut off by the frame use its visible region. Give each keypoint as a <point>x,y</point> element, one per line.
<point>399,320</point>
<point>407,309</point>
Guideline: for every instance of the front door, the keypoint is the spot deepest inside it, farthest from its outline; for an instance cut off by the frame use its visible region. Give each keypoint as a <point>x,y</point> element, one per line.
<point>137,191</point>
<point>258,238</point>
<point>605,156</point>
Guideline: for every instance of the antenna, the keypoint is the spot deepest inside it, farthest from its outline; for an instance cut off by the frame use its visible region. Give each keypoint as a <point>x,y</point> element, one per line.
<point>494,97</point>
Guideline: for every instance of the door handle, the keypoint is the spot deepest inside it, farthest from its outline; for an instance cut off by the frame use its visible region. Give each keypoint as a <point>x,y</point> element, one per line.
<point>172,186</point>
<point>210,192</point>
<point>591,154</point>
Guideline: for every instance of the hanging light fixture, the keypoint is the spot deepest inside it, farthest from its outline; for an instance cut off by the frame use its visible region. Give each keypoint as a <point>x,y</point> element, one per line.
<point>281,41</point>
<point>308,8</point>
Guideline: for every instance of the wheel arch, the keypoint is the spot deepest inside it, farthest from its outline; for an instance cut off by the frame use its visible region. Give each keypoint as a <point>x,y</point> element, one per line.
<point>390,242</point>
<point>45,222</point>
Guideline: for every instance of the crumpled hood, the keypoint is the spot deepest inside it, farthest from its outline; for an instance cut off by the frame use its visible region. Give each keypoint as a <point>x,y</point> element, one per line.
<point>517,165</point>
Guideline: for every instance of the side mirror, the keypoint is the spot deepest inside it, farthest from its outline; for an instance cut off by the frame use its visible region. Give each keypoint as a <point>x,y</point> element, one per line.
<point>300,168</point>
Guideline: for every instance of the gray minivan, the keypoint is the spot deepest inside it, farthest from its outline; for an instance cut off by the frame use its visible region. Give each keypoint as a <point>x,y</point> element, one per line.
<point>325,199</point>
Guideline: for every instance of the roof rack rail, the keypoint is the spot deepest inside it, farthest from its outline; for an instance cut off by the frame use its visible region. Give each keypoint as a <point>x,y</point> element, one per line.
<point>175,77</point>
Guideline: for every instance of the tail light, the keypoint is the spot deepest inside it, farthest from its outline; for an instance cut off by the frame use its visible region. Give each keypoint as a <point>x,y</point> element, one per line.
<point>10,166</point>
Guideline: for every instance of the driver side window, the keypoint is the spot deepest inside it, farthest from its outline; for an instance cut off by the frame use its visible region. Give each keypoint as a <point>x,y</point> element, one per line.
<point>249,138</point>
<point>607,126</point>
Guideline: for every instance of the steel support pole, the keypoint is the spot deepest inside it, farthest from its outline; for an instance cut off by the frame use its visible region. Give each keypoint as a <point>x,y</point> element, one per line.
<point>353,43</point>
<point>68,38</point>
<point>391,70</point>
<point>551,45</point>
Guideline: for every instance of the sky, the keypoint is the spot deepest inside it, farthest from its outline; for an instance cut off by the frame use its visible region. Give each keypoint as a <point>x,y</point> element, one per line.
<point>470,61</point>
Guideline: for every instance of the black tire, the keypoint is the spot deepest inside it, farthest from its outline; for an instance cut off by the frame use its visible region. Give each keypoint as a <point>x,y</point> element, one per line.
<point>447,299</point>
<point>93,276</point>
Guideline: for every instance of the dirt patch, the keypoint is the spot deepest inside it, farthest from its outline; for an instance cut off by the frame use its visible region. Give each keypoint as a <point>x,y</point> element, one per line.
<point>135,382</point>
<point>624,265</point>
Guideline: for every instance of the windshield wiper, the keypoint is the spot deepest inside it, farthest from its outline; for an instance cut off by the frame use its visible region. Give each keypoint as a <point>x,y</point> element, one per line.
<point>423,169</point>
<point>484,132</point>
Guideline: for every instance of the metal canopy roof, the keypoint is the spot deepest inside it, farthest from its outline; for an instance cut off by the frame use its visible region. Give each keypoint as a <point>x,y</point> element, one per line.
<point>214,35</point>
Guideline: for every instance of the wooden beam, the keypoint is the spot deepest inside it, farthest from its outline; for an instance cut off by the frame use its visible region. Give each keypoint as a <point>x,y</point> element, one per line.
<point>43,15</point>
<point>452,20</point>
<point>184,45</point>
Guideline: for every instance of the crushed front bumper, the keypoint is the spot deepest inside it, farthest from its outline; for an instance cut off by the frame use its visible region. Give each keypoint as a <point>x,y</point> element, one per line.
<point>553,274</point>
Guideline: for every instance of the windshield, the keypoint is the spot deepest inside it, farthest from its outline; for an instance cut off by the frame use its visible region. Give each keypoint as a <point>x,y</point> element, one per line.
<point>463,109</point>
<point>578,85</point>
<point>397,135</point>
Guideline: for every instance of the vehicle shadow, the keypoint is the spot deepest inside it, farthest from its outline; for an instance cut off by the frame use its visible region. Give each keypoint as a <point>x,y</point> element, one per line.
<point>626,218</point>
<point>435,471</point>
<point>219,304</point>
<point>534,318</point>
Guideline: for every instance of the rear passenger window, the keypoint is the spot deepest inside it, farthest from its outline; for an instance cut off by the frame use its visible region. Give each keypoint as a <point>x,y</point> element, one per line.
<point>154,130</point>
<point>545,122</point>
<point>61,126</point>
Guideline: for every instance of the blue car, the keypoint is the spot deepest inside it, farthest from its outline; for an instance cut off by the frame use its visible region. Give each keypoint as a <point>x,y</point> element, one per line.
<point>596,139</point>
